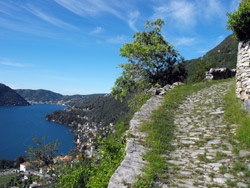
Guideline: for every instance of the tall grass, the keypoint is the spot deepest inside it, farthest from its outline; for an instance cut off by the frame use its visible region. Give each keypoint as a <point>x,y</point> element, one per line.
<point>235,114</point>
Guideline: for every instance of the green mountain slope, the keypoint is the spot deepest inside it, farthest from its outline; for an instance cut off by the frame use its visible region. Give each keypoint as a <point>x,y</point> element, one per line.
<point>49,97</point>
<point>223,55</point>
<point>80,100</point>
<point>102,111</point>
<point>39,95</point>
<point>9,97</point>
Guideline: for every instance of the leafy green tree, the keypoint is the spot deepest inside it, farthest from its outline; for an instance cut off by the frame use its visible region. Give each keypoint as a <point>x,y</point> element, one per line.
<point>42,153</point>
<point>200,69</point>
<point>151,60</point>
<point>19,160</point>
<point>239,21</point>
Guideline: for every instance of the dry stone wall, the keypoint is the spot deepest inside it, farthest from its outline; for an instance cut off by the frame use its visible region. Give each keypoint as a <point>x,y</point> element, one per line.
<point>125,175</point>
<point>243,73</point>
<point>220,73</point>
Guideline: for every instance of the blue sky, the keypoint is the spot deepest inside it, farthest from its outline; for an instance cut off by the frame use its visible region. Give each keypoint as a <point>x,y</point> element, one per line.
<point>72,46</point>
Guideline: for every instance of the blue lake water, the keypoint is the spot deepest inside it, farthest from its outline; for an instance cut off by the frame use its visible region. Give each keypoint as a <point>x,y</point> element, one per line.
<point>19,124</point>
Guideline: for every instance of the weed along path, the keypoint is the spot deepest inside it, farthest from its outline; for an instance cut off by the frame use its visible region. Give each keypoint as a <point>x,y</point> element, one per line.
<point>125,175</point>
<point>203,154</point>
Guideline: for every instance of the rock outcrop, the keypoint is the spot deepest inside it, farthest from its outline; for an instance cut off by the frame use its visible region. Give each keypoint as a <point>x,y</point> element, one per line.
<point>220,73</point>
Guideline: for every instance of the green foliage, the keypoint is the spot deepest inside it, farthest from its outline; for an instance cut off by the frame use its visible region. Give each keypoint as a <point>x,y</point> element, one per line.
<point>96,172</point>
<point>4,180</point>
<point>231,183</point>
<point>112,154</point>
<point>200,69</point>
<point>236,115</point>
<point>16,180</point>
<point>151,60</point>
<point>75,176</point>
<point>7,164</point>
<point>138,100</point>
<point>46,96</point>
<point>39,95</point>
<point>223,55</point>
<point>43,153</point>
<point>239,21</point>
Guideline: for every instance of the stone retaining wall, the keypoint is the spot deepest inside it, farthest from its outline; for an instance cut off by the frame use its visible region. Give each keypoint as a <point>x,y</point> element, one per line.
<point>220,73</point>
<point>125,175</point>
<point>243,72</point>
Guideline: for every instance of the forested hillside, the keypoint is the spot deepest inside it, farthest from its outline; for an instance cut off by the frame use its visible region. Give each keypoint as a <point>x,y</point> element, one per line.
<point>39,95</point>
<point>223,55</point>
<point>9,97</point>
<point>49,97</point>
<point>102,111</point>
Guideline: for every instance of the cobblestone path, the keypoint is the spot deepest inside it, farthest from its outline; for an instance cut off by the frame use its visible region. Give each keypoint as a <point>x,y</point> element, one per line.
<point>204,156</point>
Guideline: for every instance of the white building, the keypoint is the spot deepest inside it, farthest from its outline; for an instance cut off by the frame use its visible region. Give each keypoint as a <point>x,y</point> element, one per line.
<point>24,166</point>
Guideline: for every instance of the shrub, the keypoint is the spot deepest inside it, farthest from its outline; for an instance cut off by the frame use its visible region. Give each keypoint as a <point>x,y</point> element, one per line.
<point>239,21</point>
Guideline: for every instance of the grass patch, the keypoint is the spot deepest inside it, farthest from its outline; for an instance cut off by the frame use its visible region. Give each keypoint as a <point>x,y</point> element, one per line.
<point>231,183</point>
<point>5,179</point>
<point>160,133</point>
<point>211,174</point>
<point>234,114</point>
<point>220,155</point>
<point>239,167</point>
<point>223,169</point>
<point>203,158</point>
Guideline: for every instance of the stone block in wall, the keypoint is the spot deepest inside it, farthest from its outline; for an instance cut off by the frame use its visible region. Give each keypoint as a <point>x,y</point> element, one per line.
<point>239,84</point>
<point>243,71</point>
<point>246,104</point>
<point>220,73</point>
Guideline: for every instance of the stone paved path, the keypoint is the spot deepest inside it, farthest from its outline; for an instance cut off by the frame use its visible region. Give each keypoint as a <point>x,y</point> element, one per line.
<point>203,156</point>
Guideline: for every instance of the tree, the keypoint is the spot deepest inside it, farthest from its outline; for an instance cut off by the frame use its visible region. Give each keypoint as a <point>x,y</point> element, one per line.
<point>200,70</point>
<point>19,160</point>
<point>42,154</point>
<point>151,60</point>
<point>239,21</point>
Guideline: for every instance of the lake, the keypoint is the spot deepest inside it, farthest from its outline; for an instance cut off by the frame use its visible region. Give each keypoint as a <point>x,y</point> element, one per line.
<point>19,124</point>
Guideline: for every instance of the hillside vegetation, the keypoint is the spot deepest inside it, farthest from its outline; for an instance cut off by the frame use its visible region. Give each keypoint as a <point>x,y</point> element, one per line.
<point>103,111</point>
<point>49,97</point>
<point>223,55</point>
<point>39,95</point>
<point>9,97</point>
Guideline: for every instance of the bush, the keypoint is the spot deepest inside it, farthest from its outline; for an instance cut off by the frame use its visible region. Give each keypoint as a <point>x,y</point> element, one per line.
<point>200,70</point>
<point>239,21</point>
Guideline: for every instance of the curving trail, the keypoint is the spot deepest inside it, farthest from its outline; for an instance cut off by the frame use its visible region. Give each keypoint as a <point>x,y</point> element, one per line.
<point>203,156</point>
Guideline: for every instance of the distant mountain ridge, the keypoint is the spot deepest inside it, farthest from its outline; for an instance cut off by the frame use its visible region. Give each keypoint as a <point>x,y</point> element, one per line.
<point>8,97</point>
<point>49,97</point>
<point>41,95</point>
<point>223,55</point>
